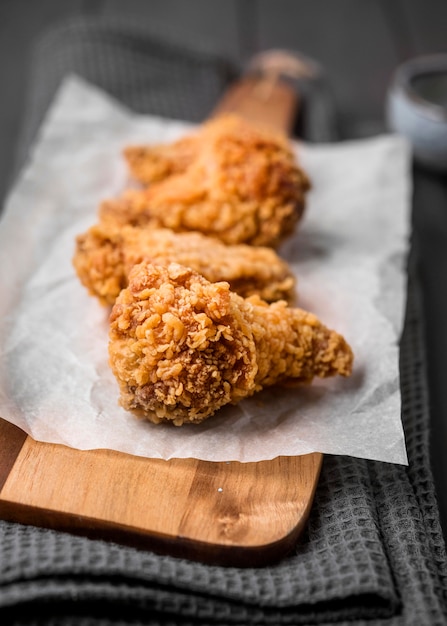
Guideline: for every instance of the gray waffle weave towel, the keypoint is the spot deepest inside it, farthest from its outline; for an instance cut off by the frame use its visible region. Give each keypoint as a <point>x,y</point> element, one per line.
<point>373,552</point>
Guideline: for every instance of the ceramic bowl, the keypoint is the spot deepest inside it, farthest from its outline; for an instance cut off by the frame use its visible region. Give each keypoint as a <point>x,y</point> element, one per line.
<point>417,108</point>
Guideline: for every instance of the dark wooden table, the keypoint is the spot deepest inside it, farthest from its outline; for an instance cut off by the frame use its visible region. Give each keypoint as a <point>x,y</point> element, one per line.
<point>357,42</point>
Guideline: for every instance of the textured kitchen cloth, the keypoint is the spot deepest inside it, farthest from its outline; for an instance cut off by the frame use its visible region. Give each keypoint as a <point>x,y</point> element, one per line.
<point>373,551</point>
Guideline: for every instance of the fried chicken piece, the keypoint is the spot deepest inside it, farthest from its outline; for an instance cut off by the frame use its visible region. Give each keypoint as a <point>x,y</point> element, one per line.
<point>152,163</point>
<point>105,254</point>
<point>181,347</point>
<point>243,186</point>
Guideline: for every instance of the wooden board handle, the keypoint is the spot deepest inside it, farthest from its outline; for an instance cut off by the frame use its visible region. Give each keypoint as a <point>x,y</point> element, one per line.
<point>268,91</point>
<point>263,100</point>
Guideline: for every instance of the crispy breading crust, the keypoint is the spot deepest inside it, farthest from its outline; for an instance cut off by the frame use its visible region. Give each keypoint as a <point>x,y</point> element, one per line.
<point>104,255</point>
<point>181,347</point>
<point>150,164</point>
<point>178,346</point>
<point>243,186</point>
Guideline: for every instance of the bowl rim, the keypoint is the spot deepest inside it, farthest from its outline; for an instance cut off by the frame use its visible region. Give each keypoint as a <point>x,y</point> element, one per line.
<point>419,66</point>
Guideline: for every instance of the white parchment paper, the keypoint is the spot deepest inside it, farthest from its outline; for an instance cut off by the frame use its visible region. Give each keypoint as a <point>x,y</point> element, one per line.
<point>349,255</point>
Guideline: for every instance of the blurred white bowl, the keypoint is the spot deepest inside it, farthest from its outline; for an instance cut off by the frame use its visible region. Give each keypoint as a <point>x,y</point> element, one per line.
<point>416,107</point>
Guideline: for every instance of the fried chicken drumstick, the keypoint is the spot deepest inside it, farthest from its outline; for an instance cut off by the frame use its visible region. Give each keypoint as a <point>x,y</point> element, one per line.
<point>233,181</point>
<point>105,254</point>
<point>181,347</point>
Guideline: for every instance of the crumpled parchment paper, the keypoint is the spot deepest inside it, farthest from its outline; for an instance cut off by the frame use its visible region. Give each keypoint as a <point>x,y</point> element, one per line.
<point>349,256</point>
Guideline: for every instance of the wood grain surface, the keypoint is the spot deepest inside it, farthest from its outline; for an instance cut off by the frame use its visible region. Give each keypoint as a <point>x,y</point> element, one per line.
<point>229,513</point>
<point>245,514</point>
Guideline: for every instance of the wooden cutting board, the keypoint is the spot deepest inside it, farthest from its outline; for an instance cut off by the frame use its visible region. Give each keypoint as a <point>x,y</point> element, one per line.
<point>230,513</point>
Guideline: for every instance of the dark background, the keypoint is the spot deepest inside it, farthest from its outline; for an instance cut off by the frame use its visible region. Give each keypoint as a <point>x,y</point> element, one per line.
<point>359,43</point>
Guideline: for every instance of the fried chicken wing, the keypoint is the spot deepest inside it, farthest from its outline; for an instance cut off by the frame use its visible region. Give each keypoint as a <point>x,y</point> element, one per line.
<point>105,254</point>
<point>243,186</point>
<point>181,347</point>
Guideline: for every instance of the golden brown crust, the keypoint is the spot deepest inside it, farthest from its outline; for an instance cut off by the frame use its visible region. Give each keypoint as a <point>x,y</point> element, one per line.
<point>129,209</point>
<point>150,164</point>
<point>182,347</point>
<point>179,347</point>
<point>105,254</point>
<point>243,186</point>
<point>293,345</point>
